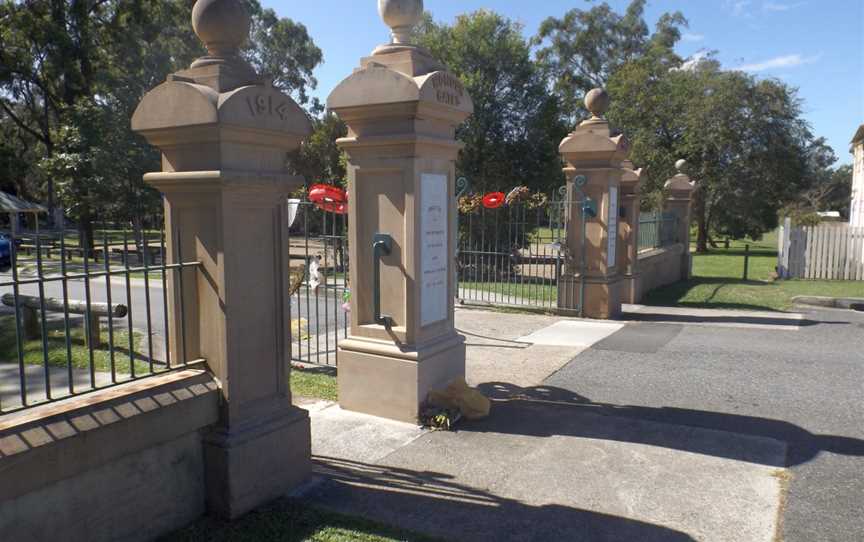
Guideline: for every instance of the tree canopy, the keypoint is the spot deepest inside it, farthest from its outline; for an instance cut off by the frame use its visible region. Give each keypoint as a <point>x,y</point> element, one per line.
<point>72,73</point>
<point>744,140</point>
<point>582,49</point>
<point>512,138</point>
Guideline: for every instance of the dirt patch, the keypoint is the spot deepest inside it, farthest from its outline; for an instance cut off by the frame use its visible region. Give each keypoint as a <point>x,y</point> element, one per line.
<point>784,476</point>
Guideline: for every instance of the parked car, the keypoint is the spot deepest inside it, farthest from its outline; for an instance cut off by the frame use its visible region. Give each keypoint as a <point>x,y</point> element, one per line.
<point>5,253</point>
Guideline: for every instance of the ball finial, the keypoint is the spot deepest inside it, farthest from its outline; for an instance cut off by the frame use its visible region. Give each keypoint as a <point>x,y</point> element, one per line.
<point>222,25</point>
<point>680,165</point>
<point>401,16</point>
<point>597,102</point>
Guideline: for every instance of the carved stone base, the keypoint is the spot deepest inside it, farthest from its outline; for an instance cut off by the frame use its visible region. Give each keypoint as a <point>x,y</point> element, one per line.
<point>382,380</point>
<point>602,296</point>
<point>256,462</point>
<point>631,288</point>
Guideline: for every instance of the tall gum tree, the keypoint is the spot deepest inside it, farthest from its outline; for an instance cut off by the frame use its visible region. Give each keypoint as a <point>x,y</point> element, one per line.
<point>743,138</point>
<point>72,72</point>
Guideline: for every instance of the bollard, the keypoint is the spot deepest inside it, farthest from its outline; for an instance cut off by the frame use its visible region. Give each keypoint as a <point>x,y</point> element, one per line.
<point>746,261</point>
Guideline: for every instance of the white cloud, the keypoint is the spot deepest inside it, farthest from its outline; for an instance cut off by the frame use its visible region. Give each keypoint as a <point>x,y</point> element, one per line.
<point>777,6</point>
<point>738,7</point>
<point>692,37</point>
<point>691,63</point>
<point>787,61</point>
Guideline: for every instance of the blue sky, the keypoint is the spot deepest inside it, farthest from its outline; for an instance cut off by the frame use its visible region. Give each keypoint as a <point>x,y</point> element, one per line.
<point>814,45</point>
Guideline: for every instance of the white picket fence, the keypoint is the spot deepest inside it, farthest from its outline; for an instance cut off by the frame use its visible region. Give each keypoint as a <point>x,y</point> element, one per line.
<point>831,251</point>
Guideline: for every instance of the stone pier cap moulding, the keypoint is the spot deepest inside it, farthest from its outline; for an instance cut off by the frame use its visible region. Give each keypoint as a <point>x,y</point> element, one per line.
<point>199,128</point>
<point>590,144</point>
<point>437,97</point>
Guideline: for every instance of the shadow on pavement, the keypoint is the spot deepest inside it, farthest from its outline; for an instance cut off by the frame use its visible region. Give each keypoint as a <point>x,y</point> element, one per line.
<point>498,342</point>
<point>432,503</point>
<point>648,316</point>
<point>545,411</point>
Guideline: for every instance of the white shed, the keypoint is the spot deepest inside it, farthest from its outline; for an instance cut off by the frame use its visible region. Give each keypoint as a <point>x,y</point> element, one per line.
<point>856,216</point>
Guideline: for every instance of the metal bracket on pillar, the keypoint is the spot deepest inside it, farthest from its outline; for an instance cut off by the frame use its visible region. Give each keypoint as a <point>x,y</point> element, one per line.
<point>382,245</point>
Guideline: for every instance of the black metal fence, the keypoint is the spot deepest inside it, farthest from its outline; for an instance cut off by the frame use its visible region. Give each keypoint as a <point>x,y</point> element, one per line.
<point>79,315</point>
<point>657,230</point>
<point>513,255</point>
<point>319,308</point>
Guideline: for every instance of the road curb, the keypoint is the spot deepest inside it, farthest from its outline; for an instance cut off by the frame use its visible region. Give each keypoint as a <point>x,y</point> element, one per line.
<point>848,303</point>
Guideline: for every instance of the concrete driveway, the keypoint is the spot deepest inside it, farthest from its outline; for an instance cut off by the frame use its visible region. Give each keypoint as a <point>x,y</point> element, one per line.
<point>802,387</point>
<point>682,425</point>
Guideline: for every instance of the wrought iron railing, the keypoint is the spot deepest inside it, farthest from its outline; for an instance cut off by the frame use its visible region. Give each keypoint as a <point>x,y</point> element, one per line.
<point>657,230</point>
<point>513,255</point>
<point>319,302</point>
<point>79,315</point>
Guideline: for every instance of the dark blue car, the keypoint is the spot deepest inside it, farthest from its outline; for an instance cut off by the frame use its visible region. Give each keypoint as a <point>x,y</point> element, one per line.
<point>5,253</point>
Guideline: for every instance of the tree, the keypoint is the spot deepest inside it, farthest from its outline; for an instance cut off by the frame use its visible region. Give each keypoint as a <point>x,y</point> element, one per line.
<point>283,50</point>
<point>743,138</point>
<point>68,66</point>
<point>584,48</point>
<point>512,138</point>
<point>830,189</point>
<point>319,159</point>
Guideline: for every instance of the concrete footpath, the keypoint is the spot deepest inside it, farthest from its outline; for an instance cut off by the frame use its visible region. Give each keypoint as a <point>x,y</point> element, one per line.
<point>555,463</point>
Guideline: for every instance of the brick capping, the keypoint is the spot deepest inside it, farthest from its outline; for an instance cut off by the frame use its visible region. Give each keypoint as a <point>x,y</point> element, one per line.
<point>61,440</point>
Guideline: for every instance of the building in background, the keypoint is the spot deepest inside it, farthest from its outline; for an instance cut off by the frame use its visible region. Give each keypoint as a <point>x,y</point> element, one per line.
<point>856,213</point>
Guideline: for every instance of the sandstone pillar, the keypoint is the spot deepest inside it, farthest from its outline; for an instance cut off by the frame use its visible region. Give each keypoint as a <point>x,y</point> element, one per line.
<point>224,134</point>
<point>679,196</point>
<point>402,109</point>
<point>628,233</point>
<point>593,157</point>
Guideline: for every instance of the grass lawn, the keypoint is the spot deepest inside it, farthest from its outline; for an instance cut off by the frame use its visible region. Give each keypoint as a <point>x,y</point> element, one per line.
<point>288,520</point>
<point>314,383</point>
<point>718,282</point>
<point>519,293</point>
<point>57,353</point>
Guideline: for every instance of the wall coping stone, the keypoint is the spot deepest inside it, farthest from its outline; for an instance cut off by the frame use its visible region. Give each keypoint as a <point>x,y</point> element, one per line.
<point>60,440</point>
<point>674,249</point>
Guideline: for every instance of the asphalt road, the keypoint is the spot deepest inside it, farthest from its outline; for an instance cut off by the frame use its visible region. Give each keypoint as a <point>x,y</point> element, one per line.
<point>801,387</point>
<point>323,312</point>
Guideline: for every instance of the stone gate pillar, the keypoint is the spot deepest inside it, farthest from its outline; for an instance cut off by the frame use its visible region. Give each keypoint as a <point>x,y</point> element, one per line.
<point>679,197</point>
<point>224,134</point>
<point>593,159</point>
<point>402,109</point>
<point>628,233</point>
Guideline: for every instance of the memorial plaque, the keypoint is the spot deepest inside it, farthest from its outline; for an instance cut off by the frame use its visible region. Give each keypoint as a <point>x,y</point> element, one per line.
<point>433,250</point>
<point>612,226</point>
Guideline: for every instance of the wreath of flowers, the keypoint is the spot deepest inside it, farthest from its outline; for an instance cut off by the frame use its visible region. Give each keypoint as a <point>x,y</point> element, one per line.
<point>521,195</point>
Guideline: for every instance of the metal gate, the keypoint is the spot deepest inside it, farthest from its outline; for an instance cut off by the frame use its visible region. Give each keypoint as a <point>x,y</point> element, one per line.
<point>515,255</point>
<point>319,309</point>
<point>511,256</point>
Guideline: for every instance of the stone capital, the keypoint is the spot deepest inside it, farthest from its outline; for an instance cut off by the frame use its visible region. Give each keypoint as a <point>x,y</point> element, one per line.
<point>198,128</point>
<point>591,144</point>
<point>680,187</point>
<point>437,95</point>
<point>631,179</point>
